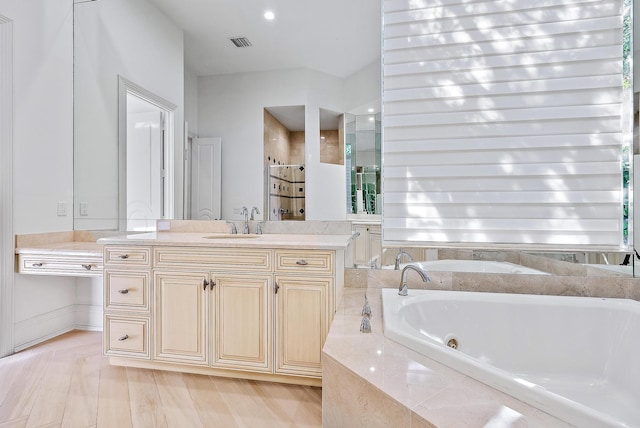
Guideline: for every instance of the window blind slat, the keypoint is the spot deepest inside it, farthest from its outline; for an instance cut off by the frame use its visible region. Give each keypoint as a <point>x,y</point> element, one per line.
<point>502,122</point>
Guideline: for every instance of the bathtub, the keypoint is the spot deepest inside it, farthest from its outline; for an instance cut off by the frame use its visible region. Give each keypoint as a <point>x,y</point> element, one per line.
<point>475,266</point>
<point>576,358</point>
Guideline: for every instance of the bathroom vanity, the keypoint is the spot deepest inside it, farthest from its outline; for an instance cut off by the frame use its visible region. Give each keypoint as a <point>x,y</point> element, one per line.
<point>250,306</point>
<point>72,253</point>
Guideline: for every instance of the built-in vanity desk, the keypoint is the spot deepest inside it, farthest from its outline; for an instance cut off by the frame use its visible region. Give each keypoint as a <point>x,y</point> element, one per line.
<point>249,306</point>
<point>73,253</point>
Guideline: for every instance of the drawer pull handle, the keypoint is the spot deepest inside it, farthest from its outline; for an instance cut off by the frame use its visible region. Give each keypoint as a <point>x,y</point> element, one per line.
<point>124,256</point>
<point>87,267</point>
<point>37,265</point>
<point>125,337</point>
<point>276,287</point>
<point>204,284</point>
<point>212,284</point>
<point>302,263</point>
<point>124,291</point>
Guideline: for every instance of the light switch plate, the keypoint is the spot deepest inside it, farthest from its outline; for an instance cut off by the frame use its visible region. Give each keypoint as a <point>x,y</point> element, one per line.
<point>62,208</point>
<point>84,208</point>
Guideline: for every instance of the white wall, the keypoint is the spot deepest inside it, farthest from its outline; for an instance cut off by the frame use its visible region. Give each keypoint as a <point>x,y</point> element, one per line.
<point>133,39</point>
<point>42,152</point>
<point>231,107</point>
<point>191,100</point>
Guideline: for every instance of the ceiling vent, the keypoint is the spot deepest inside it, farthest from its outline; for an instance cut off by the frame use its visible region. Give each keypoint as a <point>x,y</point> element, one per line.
<point>241,42</point>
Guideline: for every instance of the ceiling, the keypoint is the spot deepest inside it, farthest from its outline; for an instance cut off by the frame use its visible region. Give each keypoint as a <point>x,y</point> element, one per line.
<point>336,37</point>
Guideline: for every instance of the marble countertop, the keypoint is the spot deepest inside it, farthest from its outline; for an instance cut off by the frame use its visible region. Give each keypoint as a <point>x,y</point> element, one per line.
<point>59,243</point>
<point>199,239</point>
<point>64,248</point>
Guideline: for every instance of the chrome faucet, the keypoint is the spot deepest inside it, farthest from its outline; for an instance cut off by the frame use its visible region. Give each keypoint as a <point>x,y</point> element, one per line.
<point>399,257</point>
<point>254,210</point>
<point>403,289</point>
<point>245,212</point>
<point>259,227</point>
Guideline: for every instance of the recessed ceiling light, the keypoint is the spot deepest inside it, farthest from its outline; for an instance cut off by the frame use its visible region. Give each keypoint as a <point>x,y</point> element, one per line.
<point>370,110</point>
<point>371,119</point>
<point>269,16</point>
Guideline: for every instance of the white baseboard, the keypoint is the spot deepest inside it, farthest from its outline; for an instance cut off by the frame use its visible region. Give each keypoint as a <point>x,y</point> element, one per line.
<point>89,317</point>
<point>46,326</point>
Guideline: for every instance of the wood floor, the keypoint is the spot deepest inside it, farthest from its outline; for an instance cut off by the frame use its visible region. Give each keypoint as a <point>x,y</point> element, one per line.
<point>66,382</point>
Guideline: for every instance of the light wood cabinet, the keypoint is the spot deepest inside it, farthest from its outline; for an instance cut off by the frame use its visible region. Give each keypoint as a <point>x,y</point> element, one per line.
<point>244,312</point>
<point>368,245</point>
<point>126,336</point>
<point>181,317</point>
<point>302,323</point>
<point>243,322</point>
<point>127,302</point>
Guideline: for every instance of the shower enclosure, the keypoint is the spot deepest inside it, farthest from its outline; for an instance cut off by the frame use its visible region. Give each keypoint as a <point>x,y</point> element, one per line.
<point>286,192</point>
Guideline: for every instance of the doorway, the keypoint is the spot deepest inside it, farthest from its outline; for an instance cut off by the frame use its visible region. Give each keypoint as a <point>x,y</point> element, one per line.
<point>145,162</point>
<point>203,178</point>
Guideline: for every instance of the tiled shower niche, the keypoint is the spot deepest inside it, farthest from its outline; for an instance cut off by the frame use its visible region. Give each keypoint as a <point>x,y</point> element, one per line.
<point>286,192</point>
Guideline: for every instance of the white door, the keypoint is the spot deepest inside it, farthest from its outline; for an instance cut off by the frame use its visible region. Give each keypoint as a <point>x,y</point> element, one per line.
<point>206,178</point>
<point>145,164</point>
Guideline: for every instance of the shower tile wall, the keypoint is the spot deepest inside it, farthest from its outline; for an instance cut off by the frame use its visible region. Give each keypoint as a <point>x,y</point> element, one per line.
<point>284,155</point>
<point>286,192</point>
<point>276,141</point>
<point>296,147</point>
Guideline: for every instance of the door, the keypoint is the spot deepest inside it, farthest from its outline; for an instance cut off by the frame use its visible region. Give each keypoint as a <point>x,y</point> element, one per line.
<point>181,317</point>
<point>206,178</point>
<point>302,323</point>
<point>145,166</point>
<point>243,336</point>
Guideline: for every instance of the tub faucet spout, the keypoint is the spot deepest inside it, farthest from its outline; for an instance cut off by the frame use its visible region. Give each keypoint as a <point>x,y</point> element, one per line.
<point>254,210</point>
<point>403,290</point>
<point>399,257</point>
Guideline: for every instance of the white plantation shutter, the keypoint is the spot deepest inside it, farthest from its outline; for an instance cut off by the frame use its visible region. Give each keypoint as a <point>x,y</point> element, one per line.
<point>503,122</point>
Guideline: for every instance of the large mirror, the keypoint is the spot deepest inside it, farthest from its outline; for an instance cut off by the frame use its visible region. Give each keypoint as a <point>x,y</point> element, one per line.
<point>221,64</point>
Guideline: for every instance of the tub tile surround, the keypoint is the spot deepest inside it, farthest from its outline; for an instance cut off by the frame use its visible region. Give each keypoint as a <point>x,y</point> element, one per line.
<point>375,382</point>
<point>623,287</point>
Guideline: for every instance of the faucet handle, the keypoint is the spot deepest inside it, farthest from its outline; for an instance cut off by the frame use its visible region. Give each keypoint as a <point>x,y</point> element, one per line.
<point>365,325</point>
<point>234,229</point>
<point>259,228</point>
<point>366,310</point>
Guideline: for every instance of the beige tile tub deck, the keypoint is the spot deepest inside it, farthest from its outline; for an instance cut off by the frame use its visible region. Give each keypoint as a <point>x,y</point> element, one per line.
<point>371,381</point>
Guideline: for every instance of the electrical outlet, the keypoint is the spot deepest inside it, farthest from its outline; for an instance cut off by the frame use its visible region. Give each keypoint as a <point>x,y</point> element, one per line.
<point>84,208</point>
<point>62,208</point>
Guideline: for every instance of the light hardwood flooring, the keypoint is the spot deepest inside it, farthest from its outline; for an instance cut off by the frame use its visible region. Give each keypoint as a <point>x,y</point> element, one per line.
<point>66,382</point>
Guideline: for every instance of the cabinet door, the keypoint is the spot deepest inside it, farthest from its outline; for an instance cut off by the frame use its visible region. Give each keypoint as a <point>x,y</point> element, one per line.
<point>181,317</point>
<point>361,245</point>
<point>243,313</point>
<point>302,323</point>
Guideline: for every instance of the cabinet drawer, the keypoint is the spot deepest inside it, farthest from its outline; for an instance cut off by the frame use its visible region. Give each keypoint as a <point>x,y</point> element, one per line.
<point>60,265</point>
<point>321,262</point>
<point>228,259</point>
<point>126,290</point>
<point>126,336</point>
<point>127,256</point>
